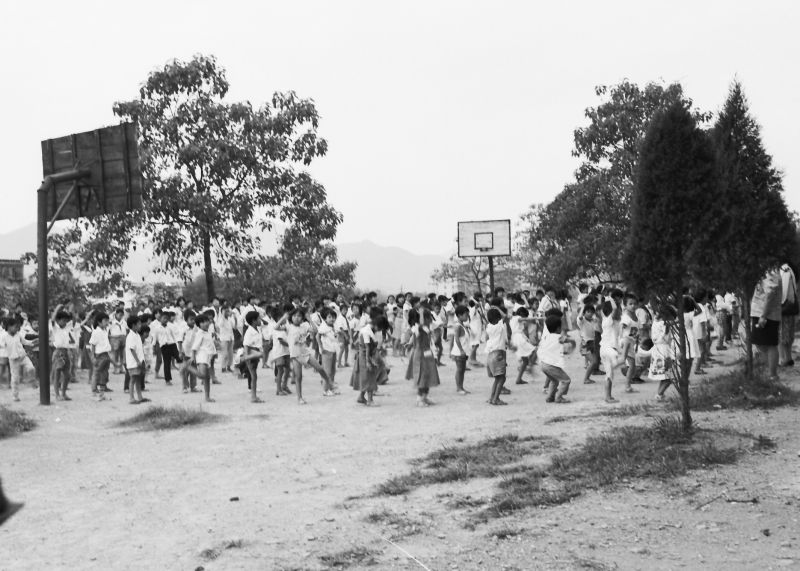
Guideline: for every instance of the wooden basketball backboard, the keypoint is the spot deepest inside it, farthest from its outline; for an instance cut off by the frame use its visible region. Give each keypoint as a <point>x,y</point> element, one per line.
<point>114,181</point>
<point>484,238</point>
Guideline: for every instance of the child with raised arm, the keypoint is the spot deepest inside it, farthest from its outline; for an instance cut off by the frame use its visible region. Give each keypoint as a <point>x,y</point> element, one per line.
<point>134,359</point>
<point>328,346</point>
<point>19,363</point>
<point>279,356</point>
<point>188,372</point>
<point>460,339</point>
<point>476,327</point>
<point>609,341</point>
<point>252,352</point>
<point>496,346</point>
<point>203,351</point>
<point>61,340</point>
<point>521,342</point>
<point>551,359</point>
<point>298,330</point>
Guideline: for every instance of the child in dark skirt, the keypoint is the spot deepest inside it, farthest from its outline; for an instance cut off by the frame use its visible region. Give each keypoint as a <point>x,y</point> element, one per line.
<point>422,364</point>
<point>496,346</point>
<point>368,367</point>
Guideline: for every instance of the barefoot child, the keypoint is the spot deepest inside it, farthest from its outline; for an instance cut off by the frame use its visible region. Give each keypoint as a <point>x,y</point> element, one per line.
<point>460,336</point>
<point>19,363</point>
<point>252,352</point>
<point>496,346</point>
<point>551,359</point>
<point>134,359</point>
<point>663,351</point>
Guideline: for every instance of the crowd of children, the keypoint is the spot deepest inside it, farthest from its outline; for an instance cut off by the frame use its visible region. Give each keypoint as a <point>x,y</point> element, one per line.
<point>619,334</point>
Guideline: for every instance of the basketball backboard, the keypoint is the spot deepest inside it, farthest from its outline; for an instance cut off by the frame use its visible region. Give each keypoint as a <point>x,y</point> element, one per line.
<point>484,238</point>
<point>111,155</point>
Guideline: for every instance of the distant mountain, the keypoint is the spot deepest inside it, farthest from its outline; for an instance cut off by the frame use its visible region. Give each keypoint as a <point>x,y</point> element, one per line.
<point>385,268</point>
<point>389,269</point>
<point>18,242</point>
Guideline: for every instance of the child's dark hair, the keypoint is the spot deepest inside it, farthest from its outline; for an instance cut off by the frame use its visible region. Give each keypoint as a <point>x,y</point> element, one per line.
<point>144,331</point>
<point>413,317</point>
<point>522,312</point>
<point>251,317</point>
<point>381,323</point>
<point>647,344</point>
<point>61,314</point>
<point>375,313</point>
<point>462,310</point>
<point>553,323</point>
<point>325,312</point>
<point>133,320</point>
<point>494,315</point>
<point>99,317</point>
<point>188,314</point>
<point>553,312</point>
<point>11,322</point>
<point>200,319</point>
<point>589,307</point>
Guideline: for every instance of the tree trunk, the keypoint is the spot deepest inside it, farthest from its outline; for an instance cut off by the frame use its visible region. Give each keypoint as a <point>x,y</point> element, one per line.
<point>683,380</point>
<point>749,366</point>
<point>209,271</point>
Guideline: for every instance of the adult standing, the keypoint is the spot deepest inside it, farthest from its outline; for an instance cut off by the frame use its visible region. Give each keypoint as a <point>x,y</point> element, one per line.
<point>765,318</point>
<point>789,311</point>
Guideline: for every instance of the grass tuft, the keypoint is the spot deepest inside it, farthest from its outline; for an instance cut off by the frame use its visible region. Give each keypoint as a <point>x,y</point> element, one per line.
<point>13,422</point>
<point>485,459</point>
<point>168,418</point>
<point>348,558</point>
<point>506,533</point>
<point>400,524</point>
<point>734,390</point>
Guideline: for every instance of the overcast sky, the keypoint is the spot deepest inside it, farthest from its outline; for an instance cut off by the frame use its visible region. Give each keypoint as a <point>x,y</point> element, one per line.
<point>434,111</point>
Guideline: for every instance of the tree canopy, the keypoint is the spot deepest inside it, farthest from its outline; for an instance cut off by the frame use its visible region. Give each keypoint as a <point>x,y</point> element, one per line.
<point>583,232</point>
<point>215,173</point>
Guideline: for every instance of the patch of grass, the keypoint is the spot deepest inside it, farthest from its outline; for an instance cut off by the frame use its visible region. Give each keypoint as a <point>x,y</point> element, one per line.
<point>625,410</point>
<point>660,450</point>
<point>348,558</point>
<point>461,502</point>
<point>734,390</point>
<point>485,459</point>
<point>506,532</point>
<point>401,525</point>
<point>168,418</point>
<point>764,443</point>
<point>13,422</point>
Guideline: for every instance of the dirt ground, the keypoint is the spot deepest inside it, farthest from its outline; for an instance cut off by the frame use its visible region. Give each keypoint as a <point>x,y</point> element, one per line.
<point>277,485</point>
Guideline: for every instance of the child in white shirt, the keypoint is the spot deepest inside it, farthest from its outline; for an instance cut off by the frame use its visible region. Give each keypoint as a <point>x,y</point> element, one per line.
<point>252,344</point>
<point>551,359</point>
<point>496,346</point>
<point>203,352</point>
<point>134,360</point>
<point>328,346</point>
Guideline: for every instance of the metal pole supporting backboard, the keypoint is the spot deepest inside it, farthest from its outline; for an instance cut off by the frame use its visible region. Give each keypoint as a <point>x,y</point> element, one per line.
<point>44,321</point>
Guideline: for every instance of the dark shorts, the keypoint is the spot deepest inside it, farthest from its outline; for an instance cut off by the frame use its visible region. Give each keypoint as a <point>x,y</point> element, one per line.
<point>587,347</point>
<point>766,336</point>
<point>496,363</point>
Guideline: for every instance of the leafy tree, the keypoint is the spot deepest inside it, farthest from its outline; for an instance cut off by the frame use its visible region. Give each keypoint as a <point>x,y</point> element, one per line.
<point>675,209</point>
<point>215,172</point>
<point>307,265</point>
<point>472,274</point>
<point>583,232</point>
<point>759,230</point>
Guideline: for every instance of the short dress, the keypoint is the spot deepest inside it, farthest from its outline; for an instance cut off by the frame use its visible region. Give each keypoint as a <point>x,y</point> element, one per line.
<point>363,378</point>
<point>422,363</point>
<point>519,339</point>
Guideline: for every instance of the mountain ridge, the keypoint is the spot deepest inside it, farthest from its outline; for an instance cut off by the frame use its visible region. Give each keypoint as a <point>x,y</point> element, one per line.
<point>388,269</point>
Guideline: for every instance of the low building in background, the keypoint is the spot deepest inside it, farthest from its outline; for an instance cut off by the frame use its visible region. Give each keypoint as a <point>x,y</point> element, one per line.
<point>11,273</point>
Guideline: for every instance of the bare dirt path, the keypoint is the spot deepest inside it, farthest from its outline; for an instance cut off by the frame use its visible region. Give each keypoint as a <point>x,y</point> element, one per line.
<point>99,497</point>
